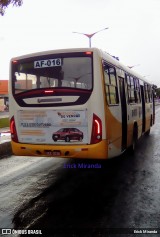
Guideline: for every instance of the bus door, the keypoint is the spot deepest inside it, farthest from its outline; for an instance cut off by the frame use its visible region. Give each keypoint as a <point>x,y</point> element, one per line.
<point>143,109</point>
<point>124,112</point>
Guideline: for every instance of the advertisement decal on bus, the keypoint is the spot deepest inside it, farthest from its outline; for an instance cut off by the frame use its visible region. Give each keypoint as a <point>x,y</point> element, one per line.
<point>49,127</point>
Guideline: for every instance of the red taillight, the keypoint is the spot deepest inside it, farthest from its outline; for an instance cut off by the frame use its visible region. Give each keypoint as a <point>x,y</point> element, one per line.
<point>96,130</point>
<point>13,130</point>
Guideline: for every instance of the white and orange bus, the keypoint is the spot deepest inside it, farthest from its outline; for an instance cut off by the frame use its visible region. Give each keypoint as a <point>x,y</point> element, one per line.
<point>79,103</point>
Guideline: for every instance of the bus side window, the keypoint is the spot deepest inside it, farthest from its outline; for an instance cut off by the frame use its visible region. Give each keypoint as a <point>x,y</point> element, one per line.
<point>106,77</point>
<point>133,89</point>
<point>110,84</point>
<point>146,92</point>
<point>137,91</point>
<point>149,93</point>
<point>132,94</point>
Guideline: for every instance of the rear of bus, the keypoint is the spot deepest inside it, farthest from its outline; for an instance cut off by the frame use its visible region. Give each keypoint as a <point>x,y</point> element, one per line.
<point>57,104</point>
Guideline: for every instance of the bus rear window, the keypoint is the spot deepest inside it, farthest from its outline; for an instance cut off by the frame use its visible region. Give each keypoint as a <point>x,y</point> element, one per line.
<point>52,72</point>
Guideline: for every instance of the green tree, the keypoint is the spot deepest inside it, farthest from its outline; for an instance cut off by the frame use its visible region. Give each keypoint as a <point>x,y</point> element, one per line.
<point>5,3</point>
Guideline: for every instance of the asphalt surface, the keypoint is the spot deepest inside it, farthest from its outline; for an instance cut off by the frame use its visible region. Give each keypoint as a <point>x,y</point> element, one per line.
<point>124,194</point>
<point>21,180</point>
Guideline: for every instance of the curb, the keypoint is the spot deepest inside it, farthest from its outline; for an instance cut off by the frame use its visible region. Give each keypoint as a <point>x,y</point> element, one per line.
<point>5,149</point>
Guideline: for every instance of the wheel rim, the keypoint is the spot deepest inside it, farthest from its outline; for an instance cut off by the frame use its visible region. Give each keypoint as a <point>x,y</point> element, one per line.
<point>67,139</point>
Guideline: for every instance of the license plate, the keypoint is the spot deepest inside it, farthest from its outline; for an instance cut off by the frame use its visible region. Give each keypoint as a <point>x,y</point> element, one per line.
<point>53,153</point>
<point>56,153</point>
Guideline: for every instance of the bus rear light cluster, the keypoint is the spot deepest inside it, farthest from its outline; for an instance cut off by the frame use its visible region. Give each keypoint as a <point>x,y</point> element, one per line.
<point>96,130</point>
<point>13,130</point>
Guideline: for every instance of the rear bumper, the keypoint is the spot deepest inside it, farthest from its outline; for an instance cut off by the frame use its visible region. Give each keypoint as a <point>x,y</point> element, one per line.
<point>94,151</point>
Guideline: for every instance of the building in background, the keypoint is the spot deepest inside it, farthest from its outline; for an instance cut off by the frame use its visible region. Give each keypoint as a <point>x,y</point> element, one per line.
<point>3,95</point>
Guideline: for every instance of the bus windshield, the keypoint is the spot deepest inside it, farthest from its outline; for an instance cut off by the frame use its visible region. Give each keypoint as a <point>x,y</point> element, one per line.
<point>50,71</point>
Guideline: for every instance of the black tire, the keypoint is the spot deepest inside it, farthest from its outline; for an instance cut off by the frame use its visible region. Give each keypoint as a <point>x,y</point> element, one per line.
<point>67,139</point>
<point>54,139</point>
<point>80,139</point>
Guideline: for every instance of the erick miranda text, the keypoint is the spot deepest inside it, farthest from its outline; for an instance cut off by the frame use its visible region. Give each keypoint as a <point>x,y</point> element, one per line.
<point>145,231</point>
<point>82,166</point>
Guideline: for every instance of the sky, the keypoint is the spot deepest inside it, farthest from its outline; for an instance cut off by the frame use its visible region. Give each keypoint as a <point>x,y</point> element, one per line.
<point>133,34</point>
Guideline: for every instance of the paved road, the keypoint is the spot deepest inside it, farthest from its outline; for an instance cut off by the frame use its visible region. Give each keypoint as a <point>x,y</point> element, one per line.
<point>21,179</point>
<point>39,193</point>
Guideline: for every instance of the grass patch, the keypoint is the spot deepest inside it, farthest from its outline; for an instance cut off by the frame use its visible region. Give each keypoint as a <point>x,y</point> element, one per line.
<point>4,122</point>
